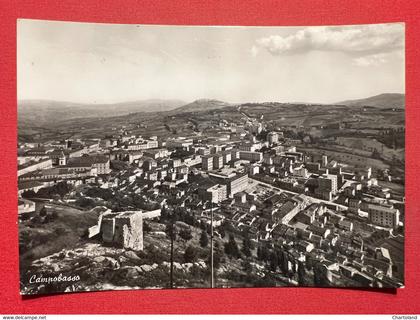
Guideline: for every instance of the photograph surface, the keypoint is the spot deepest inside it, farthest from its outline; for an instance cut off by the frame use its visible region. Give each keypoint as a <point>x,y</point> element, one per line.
<point>157,157</point>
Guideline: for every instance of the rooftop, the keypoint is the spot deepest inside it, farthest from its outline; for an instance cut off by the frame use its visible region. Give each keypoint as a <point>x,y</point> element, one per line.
<point>87,160</point>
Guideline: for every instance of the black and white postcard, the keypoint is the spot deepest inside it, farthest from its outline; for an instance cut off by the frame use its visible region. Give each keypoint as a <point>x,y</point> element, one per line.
<point>157,157</point>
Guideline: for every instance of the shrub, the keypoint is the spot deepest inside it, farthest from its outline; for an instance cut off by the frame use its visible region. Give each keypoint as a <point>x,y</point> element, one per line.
<point>190,254</point>
<point>185,234</point>
<point>231,247</point>
<point>204,240</point>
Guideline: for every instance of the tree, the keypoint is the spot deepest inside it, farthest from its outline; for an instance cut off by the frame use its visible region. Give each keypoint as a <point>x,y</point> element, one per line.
<point>227,226</point>
<point>284,262</point>
<point>146,227</point>
<point>247,246</point>
<point>190,254</point>
<point>54,215</point>
<point>189,219</point>
<point>274,260</point>
<point>247,267</point>
<point>259,252</point>
<point>231,247</point>
<point>203,225</point>
<point>320,277</point>
<point>164,214</point>
<point>217,256</point>
<point>301,274</point>
<point>28,194</point>
<point>222,232</point>
<point>376,154</point>
<point>171,231</point>
<point>60,189</point>
<point>264,253</point>
<point>204,240</point>
<point>293,267</point>
<point>85,202</point>
<point>105,194</point>
<point>185,233</point>
<point>43,212</point>
<point>119,165</point>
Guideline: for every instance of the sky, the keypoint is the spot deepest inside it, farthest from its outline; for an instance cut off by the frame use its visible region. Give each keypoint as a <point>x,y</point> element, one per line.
<point>109,63</point>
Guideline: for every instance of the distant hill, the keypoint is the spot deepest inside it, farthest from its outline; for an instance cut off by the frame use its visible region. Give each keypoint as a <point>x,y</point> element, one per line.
<point>385,100</point>
<point>43,111</point>
<point>202,105</point>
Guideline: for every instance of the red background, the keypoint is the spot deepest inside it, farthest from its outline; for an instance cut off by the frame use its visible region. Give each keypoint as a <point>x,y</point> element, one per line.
<point>272,300</point>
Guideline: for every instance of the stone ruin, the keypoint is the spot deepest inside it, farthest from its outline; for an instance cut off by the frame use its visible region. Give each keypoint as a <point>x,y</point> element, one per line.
<point>122,229</point>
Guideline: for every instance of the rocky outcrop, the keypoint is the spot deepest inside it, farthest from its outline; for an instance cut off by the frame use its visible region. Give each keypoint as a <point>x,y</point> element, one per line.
<point>99,266</point>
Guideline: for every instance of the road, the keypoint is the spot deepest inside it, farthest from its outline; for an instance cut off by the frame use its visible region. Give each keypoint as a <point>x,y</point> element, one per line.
<point>311,199</point>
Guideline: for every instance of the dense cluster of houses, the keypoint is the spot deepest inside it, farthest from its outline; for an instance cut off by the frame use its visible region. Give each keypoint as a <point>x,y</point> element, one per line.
<point>304,202</point>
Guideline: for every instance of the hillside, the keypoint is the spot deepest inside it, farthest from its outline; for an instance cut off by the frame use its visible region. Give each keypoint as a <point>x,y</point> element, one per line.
<point>46,111</point>
<point>385,100</point>
<point>67,228</point>
<point>202,105</point>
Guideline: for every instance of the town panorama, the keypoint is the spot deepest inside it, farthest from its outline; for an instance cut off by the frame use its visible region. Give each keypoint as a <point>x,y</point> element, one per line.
<point>212,194</point>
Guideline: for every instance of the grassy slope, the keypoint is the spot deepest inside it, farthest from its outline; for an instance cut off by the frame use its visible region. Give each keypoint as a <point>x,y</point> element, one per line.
<point>37,240</point>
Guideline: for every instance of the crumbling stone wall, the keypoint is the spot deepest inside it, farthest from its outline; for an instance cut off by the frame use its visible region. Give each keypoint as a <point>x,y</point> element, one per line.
<point>108,229</point>
<point>133,237</point>
<point>129,230</point>
<point>124,229</point>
